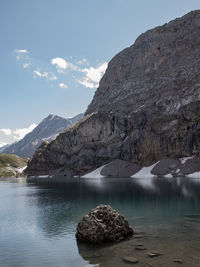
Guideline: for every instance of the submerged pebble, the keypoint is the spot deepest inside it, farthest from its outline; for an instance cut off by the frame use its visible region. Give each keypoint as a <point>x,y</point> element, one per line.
<point>130,259</point>
<point>153,254</point>
<point>178,261</point>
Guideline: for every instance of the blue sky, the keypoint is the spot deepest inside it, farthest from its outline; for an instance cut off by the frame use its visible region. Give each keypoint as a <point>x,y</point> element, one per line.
<point>53,52</point>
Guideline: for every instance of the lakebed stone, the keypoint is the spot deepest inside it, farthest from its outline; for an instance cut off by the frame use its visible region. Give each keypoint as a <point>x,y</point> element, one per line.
<point>153,254</point>
<point>103,224</point>
<point>141,248</point>
<point>178,261</point>
<point>130,259</point>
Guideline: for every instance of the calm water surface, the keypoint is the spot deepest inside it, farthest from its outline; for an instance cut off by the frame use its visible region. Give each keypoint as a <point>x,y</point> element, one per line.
<point>38,221</point>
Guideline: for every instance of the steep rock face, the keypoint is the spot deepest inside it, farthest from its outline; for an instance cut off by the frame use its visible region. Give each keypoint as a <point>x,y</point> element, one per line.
<point>47,130</point>
<point>90,142</point>
<point>160,70</point>
<point>146,108</point>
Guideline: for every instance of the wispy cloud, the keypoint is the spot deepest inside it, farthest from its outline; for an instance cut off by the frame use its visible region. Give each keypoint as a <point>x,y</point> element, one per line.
<point>6,131</point>
<point>40,74</point>
<point>83,61</point>
<point>18,134</point>
<point>62,85</point>
<point>26,65</point>
<point>52,77</point>
<point>23,55</point>
<point>91,76</point>
<point>3,144</point>
<point>21,51</point>
<point>47,75</point>
<point>80,72</point>
<point>61,64</point>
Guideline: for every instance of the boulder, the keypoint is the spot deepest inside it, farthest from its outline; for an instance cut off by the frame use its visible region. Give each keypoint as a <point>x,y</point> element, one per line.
<point>103,224</point>
<point>120,168</point>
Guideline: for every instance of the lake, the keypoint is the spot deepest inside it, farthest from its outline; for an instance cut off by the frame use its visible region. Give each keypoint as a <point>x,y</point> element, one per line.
<point>38,221</point>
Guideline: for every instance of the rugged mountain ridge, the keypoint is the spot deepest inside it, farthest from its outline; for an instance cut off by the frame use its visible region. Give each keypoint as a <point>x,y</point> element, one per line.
<point>47,130</point>
<point>147,106</point>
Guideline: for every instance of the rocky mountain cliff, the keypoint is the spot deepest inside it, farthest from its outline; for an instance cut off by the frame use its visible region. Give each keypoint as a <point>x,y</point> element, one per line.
<point>47,130</point>
<point>147,106</point>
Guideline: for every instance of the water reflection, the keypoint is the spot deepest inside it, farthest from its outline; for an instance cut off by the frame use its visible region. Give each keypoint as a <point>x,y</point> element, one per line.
<point>38,220</point>
<point>61,205</point>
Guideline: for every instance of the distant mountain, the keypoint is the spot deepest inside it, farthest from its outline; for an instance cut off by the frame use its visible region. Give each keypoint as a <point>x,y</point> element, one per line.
<point>76,118</point>
<point>3,146</point>
<point>47,130</point>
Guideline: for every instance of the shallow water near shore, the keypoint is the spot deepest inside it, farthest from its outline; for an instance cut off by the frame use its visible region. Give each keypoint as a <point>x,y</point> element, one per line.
<point>38,221</point>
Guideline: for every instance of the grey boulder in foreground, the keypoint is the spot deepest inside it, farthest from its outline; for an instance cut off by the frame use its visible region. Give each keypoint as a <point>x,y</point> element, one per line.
<point>103,224</point>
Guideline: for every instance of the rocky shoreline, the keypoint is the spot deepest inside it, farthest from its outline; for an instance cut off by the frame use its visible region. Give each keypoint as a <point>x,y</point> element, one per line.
<point>160,246</point>
<point>188,166</point>
<point>141,250</point>
<point>167,168</point>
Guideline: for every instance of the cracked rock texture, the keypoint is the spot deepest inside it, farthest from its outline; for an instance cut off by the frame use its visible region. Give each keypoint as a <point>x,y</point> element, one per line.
<point>147,106</point>
<point>103,224</point>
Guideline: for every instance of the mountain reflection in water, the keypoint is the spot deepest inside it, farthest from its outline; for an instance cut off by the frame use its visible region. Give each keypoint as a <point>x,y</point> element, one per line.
<point>38,220</point>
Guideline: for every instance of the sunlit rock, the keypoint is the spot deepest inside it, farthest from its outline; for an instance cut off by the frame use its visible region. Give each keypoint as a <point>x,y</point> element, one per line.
<point>103,224</point>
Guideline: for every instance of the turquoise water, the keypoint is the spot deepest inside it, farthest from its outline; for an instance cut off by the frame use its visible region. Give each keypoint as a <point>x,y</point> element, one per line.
<point>38,220</point>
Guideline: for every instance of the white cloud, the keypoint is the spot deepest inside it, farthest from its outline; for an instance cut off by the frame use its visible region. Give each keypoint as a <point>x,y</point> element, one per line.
<point>87,84</point>
<point>90,75</point>
<point>60,63</point>
<point>93,75</point>
<point>62,85</point>
<point>20,133</point>
<point>52,77</point>
<point>83,61</point>
<point>22,54</point>
<point>26,65</point>
<point>21,51</point>
<point>6,131</point>
<point>2,144</point>
<point>47,75</point>
<point>9,136</point>
<point>39,74</point>
<point>72,66</point>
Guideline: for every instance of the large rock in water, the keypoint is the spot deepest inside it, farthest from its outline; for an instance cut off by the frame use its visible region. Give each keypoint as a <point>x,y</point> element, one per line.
<point>103,224</point>
<point>147,106</point>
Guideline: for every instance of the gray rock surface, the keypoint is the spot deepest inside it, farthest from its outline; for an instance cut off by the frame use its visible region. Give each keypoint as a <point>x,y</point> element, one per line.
<point>47,130</point>
<point>147,106</point>
<point>3,148</point>
<point>120,168</point>
<point>103,224</point>
<point>130,259</point>
<point>166,166</point>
